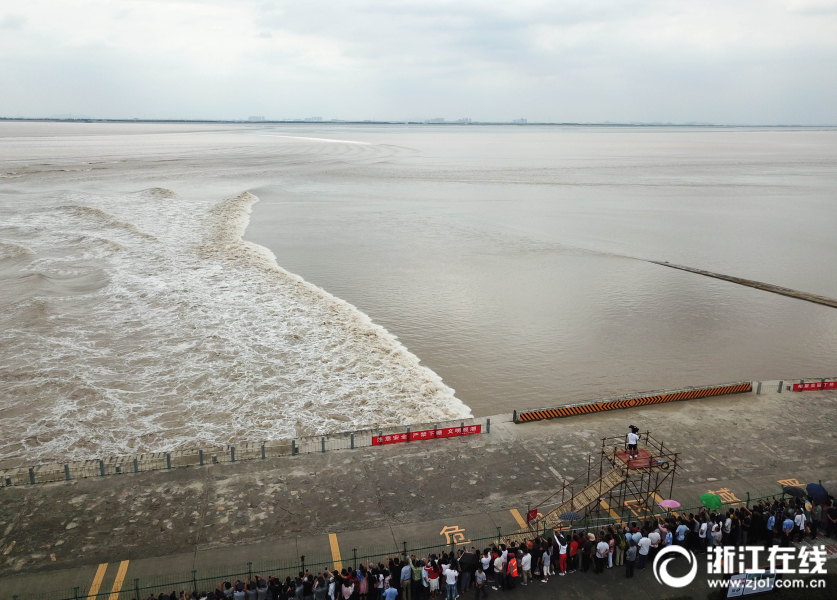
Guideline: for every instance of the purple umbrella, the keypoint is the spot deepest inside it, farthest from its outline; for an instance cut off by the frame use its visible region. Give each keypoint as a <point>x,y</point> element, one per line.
<point>670,503</point>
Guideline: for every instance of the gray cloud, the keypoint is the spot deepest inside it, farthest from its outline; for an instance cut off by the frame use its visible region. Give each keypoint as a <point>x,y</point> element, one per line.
<point>12,22</point>
<point>755,61</point>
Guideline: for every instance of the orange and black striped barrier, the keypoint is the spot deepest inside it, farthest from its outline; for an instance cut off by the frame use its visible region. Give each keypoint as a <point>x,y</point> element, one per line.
<point>583,408</point>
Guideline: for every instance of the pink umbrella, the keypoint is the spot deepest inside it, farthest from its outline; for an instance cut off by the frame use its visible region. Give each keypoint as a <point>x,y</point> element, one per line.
<point>670,504</point>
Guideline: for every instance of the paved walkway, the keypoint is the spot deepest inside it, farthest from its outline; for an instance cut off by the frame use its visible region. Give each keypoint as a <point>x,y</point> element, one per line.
<point>57,536</point>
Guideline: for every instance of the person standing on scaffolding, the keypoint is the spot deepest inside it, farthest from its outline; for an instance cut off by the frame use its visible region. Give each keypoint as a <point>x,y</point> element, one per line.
<point>633,440</point>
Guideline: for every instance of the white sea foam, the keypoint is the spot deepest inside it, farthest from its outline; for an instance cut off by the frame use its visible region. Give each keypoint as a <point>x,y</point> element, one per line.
<point>144,322</point>
<point>317,139</point>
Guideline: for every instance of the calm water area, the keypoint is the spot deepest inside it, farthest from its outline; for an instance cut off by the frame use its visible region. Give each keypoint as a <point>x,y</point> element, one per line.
<point>508,259</point>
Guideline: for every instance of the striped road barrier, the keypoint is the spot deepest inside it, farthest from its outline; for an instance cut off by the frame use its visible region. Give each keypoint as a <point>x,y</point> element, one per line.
<point>582,408</point>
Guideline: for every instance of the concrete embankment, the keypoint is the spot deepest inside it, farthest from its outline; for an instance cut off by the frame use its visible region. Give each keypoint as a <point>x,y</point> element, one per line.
<point>208,518</point>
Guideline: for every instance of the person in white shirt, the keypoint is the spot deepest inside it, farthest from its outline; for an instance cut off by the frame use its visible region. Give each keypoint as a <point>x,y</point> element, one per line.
<point>655,538</point>
<point>602,548</point>
<point>633,439</point>
<point>702,532</point>
<point>799,524</point>
<point>499,573</point>
<point>562,554</point>
<point>717,536</point>
<point>450,578</point>
<point>644,548</point>
<point>526,567</point>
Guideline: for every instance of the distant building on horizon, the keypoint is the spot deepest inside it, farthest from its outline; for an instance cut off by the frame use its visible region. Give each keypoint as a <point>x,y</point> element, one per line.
<point>313,119</point>
<point>466,120</point>
<point>436,120</point>
<point>70,117</point>
<point>256,119</point>
<point>520,121</point>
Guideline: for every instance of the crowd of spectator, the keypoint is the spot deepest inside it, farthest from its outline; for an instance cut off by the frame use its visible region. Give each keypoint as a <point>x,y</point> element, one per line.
<point>508,565</point>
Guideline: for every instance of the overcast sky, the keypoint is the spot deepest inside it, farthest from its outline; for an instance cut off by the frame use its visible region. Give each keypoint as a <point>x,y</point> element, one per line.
<point>724,61</point>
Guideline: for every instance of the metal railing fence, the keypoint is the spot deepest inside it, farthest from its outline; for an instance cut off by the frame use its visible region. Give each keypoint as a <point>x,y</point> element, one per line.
<point>199,456</point>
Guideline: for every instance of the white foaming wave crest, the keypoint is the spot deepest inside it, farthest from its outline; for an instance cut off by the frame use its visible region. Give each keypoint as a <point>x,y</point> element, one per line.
<point>198,336</point>
<point>9,249</point>
<point>316,139</point>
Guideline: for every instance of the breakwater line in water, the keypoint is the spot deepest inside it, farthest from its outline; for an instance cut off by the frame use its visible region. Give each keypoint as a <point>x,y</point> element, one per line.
<point>767,287</point>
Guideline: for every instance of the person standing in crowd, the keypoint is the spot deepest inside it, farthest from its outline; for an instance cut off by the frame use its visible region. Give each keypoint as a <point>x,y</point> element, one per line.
<point>620,545</point>
<point>390,593</point>
<point>630,559</point>
<point>573,559</point>
<point>831,513</point>
<point>746,522</point>
<point>799,524</point>
<point>770,534</point>
<point>433,572</point>
<point>405,580</point>
<point>644,547</point>
<point>468,566</point>
<point>681,531</point>
<point>451,575</point>
<point>416,570</point>
<point>479,583</point>
<point>499,571</point>
<point>787,531</point>
<point>526,567</point>
<point>717,536</point>
<point>563,547</point>
<point>728,529</point>
<point>487,568</point>
<point>602,549</point>
<point>703,530</point>
<point>511,569</point>
<point>546,563</point>
<point>656,538</point>
<point>588,550</point>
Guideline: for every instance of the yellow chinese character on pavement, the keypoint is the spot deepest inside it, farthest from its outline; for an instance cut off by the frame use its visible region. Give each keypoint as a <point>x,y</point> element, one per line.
<point>454,535</point>
<point>637,507</point>
<point>788,482</point>
<point>725,495</point>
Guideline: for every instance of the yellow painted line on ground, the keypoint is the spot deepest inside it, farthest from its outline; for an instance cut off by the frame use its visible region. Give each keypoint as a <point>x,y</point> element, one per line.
<point>612,512</point>
<point>518,518</point>
<point>120,579</point>
<point>97,581</point>
<point>335,551</point>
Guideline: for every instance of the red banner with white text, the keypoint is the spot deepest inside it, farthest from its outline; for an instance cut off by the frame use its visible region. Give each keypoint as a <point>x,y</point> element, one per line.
<point>814,385</point>
<point>430,434</point>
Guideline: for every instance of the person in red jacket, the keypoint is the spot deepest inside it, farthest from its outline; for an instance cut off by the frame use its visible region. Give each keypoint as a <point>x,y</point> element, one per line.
<point>573,554</point>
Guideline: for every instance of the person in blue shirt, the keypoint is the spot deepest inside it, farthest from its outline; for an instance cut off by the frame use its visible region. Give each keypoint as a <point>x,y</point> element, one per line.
<point>787,527</point>
<point>771,523</point>
<point>406,581</point>
<point>390,593</point>
<point>681,533</point>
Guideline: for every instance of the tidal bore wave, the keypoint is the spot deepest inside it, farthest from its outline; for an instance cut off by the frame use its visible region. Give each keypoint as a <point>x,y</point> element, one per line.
<point>144,322</point>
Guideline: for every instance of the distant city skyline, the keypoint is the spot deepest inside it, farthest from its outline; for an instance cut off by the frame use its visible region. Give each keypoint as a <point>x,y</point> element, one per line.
<point>749,62</point>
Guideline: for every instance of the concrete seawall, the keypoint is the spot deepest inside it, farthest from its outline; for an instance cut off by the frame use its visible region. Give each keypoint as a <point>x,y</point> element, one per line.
<point>248,451</point>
